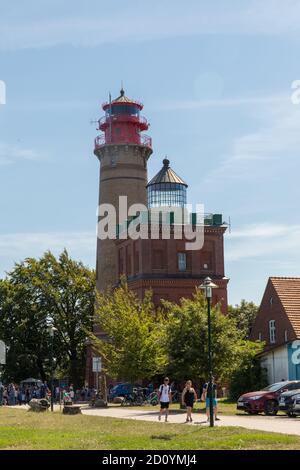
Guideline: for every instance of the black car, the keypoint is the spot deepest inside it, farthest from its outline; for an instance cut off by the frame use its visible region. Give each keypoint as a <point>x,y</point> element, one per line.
<point>289,402</point>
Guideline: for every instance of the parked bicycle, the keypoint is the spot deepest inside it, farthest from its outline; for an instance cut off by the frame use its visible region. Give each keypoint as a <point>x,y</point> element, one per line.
<point>153,399</point>
<point>136,398</point>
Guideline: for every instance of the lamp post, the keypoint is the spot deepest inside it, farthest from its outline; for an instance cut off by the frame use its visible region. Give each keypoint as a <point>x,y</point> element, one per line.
<point>207,286</point>
<point>51,330</point>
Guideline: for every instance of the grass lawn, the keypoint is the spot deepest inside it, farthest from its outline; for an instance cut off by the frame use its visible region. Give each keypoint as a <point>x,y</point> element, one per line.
<point>20,429</point>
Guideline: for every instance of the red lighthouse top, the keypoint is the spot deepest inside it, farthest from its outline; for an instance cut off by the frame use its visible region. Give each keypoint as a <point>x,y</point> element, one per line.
<point>122,123</point>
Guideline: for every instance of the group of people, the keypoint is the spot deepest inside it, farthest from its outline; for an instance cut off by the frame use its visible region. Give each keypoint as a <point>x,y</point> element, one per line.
<point>13,394</point>
<point>188,399</point>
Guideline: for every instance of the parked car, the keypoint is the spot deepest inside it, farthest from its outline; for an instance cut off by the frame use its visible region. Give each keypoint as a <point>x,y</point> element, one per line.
<point>266,400</point>
<point>122,390</point>
<point>289,402</point>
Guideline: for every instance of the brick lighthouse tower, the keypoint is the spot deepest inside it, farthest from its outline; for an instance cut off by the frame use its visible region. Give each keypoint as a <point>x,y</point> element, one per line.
<point>123,152</point>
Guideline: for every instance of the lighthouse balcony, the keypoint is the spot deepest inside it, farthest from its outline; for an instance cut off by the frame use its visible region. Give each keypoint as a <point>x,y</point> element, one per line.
<point>141,139</point>
<point>106,121</point>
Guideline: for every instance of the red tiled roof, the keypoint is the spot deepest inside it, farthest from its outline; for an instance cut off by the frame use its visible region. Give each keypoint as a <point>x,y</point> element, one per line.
<point>288,290</point>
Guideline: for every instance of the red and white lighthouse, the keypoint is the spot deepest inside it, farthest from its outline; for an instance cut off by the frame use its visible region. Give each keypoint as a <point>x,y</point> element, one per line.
<point>123,123</point>
<point>123,151</point>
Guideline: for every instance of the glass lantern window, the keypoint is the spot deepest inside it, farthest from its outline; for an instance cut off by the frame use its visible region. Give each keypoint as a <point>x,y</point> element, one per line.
<point>166,194</point>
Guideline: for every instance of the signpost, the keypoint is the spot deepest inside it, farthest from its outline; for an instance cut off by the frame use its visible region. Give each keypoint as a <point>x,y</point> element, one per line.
<point>97,367</point>
<point>2,353</point>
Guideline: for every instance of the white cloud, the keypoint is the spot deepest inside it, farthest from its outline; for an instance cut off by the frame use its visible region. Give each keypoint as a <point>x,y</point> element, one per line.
<point>14,153</point>
<point>263,242</point>
<point>252,155</point>
<point>15,247</point>
<point>32,244</point>
<point>145,22</point>
<point>219,103</point>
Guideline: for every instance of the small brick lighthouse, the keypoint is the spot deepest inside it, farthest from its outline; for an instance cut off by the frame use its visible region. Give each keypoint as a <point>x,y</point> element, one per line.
<point>123,151</point>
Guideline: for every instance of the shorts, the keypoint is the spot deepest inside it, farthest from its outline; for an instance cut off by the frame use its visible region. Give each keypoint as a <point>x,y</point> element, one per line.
<point>207,402</point>
<point>164,405</point>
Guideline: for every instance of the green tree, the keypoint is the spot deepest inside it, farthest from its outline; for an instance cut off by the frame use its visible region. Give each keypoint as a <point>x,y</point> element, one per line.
<point>62,289</point>
<point>249,377</point>
<point>134,346</point>
<point>23,327</point>
<point>187,333</point>
<point>243,315</point>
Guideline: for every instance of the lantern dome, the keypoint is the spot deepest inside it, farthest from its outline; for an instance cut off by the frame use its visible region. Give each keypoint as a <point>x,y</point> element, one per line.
<point>166,188</point>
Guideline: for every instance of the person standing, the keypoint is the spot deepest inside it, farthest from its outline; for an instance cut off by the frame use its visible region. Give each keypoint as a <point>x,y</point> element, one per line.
<point>165,398</point>
<point>11,395</point>
<point>188,399</point>
<point>206,398</point>
<point>71,392</point>
<point>1,393</point>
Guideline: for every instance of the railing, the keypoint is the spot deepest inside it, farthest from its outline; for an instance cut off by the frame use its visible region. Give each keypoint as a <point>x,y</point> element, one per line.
<point>107,103</point>
<point>122,117</point>
<point>146,140</point>
<point>101,140</point>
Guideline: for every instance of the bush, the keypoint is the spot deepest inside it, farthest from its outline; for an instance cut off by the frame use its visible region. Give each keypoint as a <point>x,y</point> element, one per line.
<point>249,378</point>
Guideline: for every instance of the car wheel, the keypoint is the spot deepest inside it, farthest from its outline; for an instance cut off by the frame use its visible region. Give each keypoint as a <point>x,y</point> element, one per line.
<point>291,415</point>
<point>271,408</point>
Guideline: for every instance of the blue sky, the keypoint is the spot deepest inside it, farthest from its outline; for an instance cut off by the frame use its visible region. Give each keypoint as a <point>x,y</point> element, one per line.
<point>215,79</point>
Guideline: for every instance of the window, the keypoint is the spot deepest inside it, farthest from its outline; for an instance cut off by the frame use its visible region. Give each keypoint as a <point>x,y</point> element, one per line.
<point>157,259</point>
<point>272,331</point>
<point>182,261</point>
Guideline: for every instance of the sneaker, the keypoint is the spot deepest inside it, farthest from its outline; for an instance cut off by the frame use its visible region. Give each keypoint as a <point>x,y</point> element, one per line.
<point>217,419</point>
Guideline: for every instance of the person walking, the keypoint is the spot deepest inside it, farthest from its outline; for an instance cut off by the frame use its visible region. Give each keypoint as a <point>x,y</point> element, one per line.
<point>165,398</point>
<point>188,399</point>
<point>206,398</point>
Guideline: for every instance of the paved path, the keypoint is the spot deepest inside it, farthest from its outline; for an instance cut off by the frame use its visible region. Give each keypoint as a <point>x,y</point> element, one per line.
<point>280,424</point>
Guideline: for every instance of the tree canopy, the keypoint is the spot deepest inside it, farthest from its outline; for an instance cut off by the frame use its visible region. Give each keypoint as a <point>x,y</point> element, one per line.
<point>134,346</point>
<point>141,341</point>
<point>243,315</point>
<point>34,292</point>
<point>187,333</point>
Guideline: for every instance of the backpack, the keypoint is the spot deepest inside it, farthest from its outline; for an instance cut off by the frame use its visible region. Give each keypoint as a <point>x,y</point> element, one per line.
<point>161,387</point>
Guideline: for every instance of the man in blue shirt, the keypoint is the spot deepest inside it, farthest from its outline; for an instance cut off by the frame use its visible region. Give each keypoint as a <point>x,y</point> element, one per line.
<point>206,395</point>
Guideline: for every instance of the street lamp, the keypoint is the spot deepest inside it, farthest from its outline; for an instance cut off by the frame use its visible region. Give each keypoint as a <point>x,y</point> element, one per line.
<point>51,330</point>
<point>208,286</point>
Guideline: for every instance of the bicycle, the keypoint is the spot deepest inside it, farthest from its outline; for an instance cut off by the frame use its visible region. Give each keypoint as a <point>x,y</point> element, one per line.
<point>153,399</point>
<point>136,398</point>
